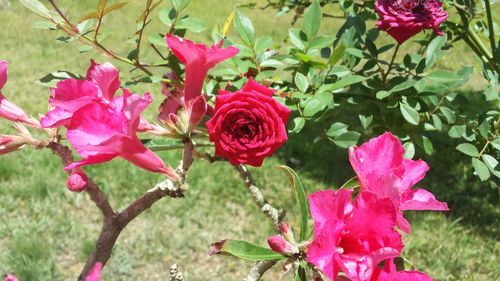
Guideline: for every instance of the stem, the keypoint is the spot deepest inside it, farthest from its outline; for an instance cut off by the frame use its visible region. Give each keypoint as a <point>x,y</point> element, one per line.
<point>272,213</point>
<point>141,31</point>
<point>258,270</point>
<point>484,149</point>
<point>491,31</point>
<point>391,64</point>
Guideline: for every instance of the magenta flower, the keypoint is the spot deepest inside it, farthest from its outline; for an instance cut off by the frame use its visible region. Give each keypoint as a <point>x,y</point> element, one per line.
<point>77,180</point>
<point>389,273</point>
<point>70,95</point>
<point>100,132</point>
<point>9,110</point>
<point>352,237</point>
<point>95,273</point>
<point>382,170</point>
<point>198,59</point>
<point>403,19</point>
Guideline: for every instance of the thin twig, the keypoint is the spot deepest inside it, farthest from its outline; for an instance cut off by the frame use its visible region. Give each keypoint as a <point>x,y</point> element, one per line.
<point>258,270</point>
<point>391,64</point>
<point>491,29</point>
<point>272,213</point>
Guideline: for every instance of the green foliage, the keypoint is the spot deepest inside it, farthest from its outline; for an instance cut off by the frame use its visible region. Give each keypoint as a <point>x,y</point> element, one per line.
<point>244,250</point>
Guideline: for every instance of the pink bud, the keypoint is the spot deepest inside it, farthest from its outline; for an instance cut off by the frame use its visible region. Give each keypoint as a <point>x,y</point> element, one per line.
<point>77,181</point>
<point>10,277</point>
<point>9,144</point>
<point>280,245</point>
<point>284,228</point>
<point>197,108</point>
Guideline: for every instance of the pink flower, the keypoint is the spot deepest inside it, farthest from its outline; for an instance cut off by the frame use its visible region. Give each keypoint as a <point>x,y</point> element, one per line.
<point>95,273</point>
<point>9,144</point>
<point>389,273</point>
<point>280,245</point>
<point>70,95</point>
<point>198,59</point>
<point>8,276</point>
<point>77,181</point>
<point>248,125</point>
<point>382,170</point>
<point>352,237</point>
<point>100,132</point>
<point>9,110</point>
<point>404,18</point>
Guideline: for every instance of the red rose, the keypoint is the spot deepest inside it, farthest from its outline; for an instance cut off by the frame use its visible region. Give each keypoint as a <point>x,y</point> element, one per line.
<point>248,125</point>
<point>404,18</point>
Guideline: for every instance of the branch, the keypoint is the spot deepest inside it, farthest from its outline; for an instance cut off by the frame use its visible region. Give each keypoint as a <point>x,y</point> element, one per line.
<point>258,270</point>
<point>272,213</point>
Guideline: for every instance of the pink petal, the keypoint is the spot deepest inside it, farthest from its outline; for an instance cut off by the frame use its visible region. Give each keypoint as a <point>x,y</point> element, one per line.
<point>280,245</point>
<point>196,111</point>
<point>91,160</point>
<point>329,206</point>
<point>356,267</point>
<point>136,153</point>
<point>72,94</point>
<point>421,199</point>
<point>95,272</point>
<point>77,181</point>
<point>252,86</point>
<point>106,77</point>
<point>414,171</point>
<point>323,250</point>
<point>56,118</point>
<point>3,73</point>
<point>10,277</point>
<point>12,112</point>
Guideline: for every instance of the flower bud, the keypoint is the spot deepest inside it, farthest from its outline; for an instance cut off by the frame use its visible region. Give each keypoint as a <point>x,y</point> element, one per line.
<point>287,233</point>
<point>10,143</point>
<point>77,181</point>
<point>280,245</point>
<point>95,273</point>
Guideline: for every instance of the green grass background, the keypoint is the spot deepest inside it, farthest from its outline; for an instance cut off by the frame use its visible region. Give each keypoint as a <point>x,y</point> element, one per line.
<point>46,232</point>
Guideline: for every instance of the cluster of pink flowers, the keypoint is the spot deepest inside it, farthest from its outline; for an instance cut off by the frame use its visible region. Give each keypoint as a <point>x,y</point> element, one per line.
<point>355,235</point>
<point>402,19</point>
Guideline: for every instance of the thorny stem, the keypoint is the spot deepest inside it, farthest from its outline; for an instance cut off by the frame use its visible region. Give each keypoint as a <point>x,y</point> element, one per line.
<point>272,213</point>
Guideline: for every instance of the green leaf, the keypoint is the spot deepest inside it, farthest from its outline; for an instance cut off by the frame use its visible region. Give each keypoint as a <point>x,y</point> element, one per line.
<point>443,76</point>
<point>51,79</point>
<point>437,122</point>
<point>481,169</point>
<point>491,162</point>
<point>457,131</point>
<point>298,124</point>
<point>365,120</point>
<point>337,54</point>
<point>468,149</point>
<point>337,129</point>
<point>157,39</point>
<point>409,150</point>
<point>191,24</point>
<point>409,113</point>
<point>312,106</point>
<point>347,139</point>
<point>342,83</point>
<point>301,272</point>
<point>180,5</point>
<point>319,42</point>
<point>403,86</point>
<point>312,19</point>
<point>133,55</point>
<point>496,144</point>
<point>244,28</point>
<point>448,114</point>
<point>297,37</point>
<point>161,144</point>
<point>244,250</point>
<point>301,197</point>
<point>301,82</point>
<point>428,147</point>
<point>383,94</point>
<point>351,183</point>
<point>263,43</point>
<point>37,7</point>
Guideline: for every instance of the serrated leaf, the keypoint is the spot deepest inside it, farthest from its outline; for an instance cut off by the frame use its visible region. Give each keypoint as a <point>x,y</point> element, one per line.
<point>37,7</point>
<point>244,28</point>
<point>347,139</point>
<point>312,19</point>
<point>244,250</point>
<point>409,113</point>
<point>301,82</point>
<point>481,169</point>
<point>301,198</point>
<point>468,149</point>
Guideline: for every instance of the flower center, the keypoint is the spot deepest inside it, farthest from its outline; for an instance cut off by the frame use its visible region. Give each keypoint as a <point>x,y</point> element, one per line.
<point>411,6</point>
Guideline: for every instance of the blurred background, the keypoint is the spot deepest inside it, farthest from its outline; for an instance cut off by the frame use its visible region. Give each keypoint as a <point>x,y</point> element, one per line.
<point>46,232</point>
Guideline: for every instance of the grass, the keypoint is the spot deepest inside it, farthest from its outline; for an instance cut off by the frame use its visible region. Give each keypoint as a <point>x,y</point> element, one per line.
<point>46,232</point>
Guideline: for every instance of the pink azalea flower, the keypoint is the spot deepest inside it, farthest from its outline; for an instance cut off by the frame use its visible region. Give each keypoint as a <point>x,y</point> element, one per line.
<point>70,95</point>
<point>95,273</point>
<point>10,277</point>
<point>389,273</point>
<point>382,170</point>
<point>198,59</point>
<point>100,132</point>
<point>9,110</point>
<point>352,237</point>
